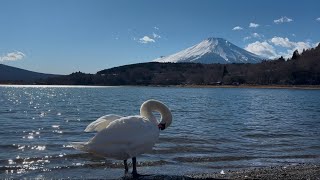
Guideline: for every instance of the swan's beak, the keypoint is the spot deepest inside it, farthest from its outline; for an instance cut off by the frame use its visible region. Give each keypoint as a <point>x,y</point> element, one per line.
<point>162,126</point>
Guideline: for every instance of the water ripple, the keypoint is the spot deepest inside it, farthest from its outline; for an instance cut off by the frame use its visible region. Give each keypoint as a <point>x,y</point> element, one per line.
<point>212,128</point>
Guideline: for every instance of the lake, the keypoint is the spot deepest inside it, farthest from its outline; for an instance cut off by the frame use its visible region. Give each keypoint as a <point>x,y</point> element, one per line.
<point>213,129</point>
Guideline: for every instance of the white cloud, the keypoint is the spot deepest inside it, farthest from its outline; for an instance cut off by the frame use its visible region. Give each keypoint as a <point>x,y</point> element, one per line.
<point>247,38</point>
<point>156,36</point>
<point>318,19</point>
<point>263,49</point>
<point>278,46</point>
<point>253,25</point>
<point>253,35</point>
<point>283,42</point>
<point>12,56</point>
<point>146,39</point>
<point>156,28</point>
<point>303,45</point>
<point>286,43</point>
<point>256,35</point>
<point>237,28</point>
<point>282,20</point>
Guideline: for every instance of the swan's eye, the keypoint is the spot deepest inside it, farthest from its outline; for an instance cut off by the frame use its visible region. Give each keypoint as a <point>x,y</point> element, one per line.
<point>162,126</point>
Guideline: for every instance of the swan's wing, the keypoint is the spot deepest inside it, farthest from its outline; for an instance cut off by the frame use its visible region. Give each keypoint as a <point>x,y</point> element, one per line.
<point>101,123</point>
<point>125,137</point>
<point>79,145</point>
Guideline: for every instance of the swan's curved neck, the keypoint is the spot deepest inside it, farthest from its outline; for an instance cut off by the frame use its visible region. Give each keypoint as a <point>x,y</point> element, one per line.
<point>153,105</point>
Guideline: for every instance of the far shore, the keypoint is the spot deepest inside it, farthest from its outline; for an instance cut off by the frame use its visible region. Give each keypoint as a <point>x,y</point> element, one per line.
<point>315,87</point>
<point>255,86</point>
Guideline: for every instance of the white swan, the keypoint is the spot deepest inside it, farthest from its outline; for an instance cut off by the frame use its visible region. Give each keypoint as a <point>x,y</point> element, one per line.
<point>127,137</point>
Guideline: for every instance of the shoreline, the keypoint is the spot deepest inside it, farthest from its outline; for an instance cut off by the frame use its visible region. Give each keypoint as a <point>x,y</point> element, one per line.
<point>306,87</point>
<point>298,171</point>
<point>311,87</point>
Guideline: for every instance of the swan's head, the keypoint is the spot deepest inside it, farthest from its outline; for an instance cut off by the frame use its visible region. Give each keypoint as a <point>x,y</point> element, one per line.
<point>154,105</point>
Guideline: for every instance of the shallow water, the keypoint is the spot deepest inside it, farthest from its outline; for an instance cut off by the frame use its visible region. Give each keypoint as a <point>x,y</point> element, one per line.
<point>213,129</point>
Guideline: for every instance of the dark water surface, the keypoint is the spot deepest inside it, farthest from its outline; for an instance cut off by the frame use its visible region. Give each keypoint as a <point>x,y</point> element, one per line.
<point>213,129</point>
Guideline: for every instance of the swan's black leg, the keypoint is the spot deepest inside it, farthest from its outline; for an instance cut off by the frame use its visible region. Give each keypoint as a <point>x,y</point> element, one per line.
<point>134,167</point>
<point>126,169</point>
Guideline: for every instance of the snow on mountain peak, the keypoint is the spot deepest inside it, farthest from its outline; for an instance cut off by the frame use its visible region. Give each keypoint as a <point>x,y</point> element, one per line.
<point>212,50</point>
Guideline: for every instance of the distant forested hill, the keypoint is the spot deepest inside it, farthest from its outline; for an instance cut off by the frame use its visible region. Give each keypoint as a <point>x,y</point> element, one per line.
<point>301,69</point>
<point>10,74</point>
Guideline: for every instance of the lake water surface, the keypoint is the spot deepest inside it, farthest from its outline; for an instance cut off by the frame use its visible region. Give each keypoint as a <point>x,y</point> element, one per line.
<point>213,129</point>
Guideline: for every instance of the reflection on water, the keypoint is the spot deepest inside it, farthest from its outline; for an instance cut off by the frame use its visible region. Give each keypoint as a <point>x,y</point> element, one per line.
<point>212,130</point>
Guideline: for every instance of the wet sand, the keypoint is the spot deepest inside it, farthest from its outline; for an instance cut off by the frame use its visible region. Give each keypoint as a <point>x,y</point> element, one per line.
<point>301,171</point>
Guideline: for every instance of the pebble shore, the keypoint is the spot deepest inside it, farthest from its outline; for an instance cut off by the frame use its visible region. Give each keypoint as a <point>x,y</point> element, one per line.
<point>292,172</point>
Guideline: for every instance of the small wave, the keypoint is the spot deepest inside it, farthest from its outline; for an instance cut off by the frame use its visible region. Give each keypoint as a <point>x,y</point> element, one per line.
<point>272,135</point>
<point>184,149</point>
<point>101,165</point>
<point>314,147</point>
<point>49,158</point>
<point>24,146</point>
<point>269,145</point>
<point>240,158</point>
<point>79,156</point>
<point>88,156</point>
<point>9,168</point>
<point>113,164</point>
<point>7,147</point>
<point>8,112</point>
<point>182,140</point>
<point>212,159</point>
<point>228,166</point>
<point>303,156</point>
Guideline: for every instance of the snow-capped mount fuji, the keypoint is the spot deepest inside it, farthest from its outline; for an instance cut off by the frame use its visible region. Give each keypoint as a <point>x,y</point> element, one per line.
<point>212,50</point>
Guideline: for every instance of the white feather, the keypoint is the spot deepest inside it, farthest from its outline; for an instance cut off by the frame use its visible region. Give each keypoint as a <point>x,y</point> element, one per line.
<point>79,145</point>
<point>101,123</point>
<point>126,137</point>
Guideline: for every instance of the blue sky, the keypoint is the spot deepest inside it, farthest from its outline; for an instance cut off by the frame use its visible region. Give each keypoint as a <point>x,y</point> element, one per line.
<point>64,36</point>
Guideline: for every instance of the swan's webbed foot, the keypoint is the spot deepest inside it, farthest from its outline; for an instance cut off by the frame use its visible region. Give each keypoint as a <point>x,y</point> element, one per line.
<point>135,175</point>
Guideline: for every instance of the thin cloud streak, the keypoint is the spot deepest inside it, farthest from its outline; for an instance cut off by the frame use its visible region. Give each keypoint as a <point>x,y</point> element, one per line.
<point>146,40</point>
<point>12,56</point>
<point>283,19</point>
<point>237,28</point>
<point>253,25</point>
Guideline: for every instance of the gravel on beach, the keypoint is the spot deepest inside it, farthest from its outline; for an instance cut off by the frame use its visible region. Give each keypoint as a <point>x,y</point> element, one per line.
<point>300,171</point>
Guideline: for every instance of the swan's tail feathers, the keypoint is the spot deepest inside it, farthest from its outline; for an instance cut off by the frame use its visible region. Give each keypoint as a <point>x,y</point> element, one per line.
<point>82,146</point>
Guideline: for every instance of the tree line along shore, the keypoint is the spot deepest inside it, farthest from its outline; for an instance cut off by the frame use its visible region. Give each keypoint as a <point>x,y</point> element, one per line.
<point>300,69</point>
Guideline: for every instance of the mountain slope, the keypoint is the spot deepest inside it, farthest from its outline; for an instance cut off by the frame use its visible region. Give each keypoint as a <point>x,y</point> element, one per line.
<point>301,69</point>
<point>9,73</point>
<point>212,50</point>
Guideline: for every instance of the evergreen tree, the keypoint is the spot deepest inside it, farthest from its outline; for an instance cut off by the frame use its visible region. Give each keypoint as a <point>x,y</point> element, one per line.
<point>225,71</point>
<point>281,59</point>
<point>295,55</point>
